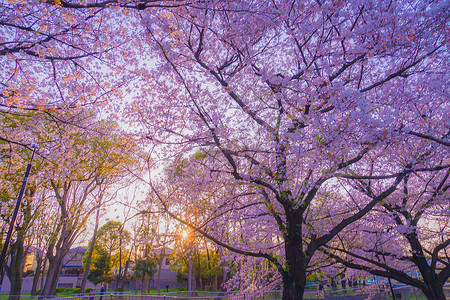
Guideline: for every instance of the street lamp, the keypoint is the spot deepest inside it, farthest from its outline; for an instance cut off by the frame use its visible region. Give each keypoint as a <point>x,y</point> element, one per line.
<point>14,216</point>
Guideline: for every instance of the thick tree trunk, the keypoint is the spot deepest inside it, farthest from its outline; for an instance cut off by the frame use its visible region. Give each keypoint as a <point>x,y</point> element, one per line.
<point>294,279</point>
<point>119,276</point>
<point>190,277</point>
<point>434,290</point>
<point>136,285</point>
<point>144,285</point>
<point>15,269</point>
<point>434,287</point>
<point>54,270</point>
<point>215,281</point>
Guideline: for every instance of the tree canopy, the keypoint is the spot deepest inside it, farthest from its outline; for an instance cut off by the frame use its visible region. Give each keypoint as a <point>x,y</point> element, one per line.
<point>289,124</point>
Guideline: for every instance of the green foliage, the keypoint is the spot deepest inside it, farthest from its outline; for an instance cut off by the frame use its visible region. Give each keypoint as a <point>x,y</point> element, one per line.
<point>102,269</point>
<point>200,155</point>
<point>112,236</point>
<point>68,291</point>
<point>144,267</point>
<point>207,265</point>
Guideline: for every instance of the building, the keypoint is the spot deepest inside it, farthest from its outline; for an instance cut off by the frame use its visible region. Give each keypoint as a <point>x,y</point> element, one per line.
<point>72,269</point>
<point>167,276</point>
<point>70,277</point>
<point>72,273</point>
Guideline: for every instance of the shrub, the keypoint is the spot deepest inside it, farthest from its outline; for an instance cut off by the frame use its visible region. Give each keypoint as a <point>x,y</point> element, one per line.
<point>71,291</point>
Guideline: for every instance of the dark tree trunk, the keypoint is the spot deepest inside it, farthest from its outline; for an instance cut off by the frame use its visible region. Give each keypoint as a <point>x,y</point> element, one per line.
<point>158,278</point>
<point>119,276</point>
<point>144,285</point>
<point>40,265</point>
<point>200,275</point>
<point>51,282</point>
<point>434,287</point>
<point>124,277</point>
<point>436,293</point>
<point>136,285</point>
<point>15,269</point>
<point>54,270</point>
<point>91,250</point>
<point>294,279</point>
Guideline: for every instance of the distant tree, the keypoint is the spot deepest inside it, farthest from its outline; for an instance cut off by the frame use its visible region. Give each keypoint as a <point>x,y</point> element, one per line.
<point>109,235</point>
<point>113,238</point>
<point>88,162</point>
<point>102,267</point>
<point>144,269</point>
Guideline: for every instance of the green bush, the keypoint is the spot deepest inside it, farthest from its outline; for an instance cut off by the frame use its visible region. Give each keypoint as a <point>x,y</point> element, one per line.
<point>87,290</point>
<point>60,290</point>
<point>69,291</point>
<point>38,291</point>
<point>181,288</point>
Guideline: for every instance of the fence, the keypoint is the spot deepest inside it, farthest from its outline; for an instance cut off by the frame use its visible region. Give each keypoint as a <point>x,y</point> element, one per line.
<point>370,292</point>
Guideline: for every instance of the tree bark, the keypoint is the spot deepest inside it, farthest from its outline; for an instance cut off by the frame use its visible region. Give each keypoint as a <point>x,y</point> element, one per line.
<point>200,277</point>
<point>119,276</point>
<point>144,285</point>
<point>124,277</point>
<point>294,274</point>
<point>434,287</point>
<point>54,270</point>
<point>190,277</point>
<point>136,285</point>
<point>294,280</point>
<point>435,293</point>
<point>40,265</point>
<point>15,269</point>
<point>91,250</point>
<point>160,262</point>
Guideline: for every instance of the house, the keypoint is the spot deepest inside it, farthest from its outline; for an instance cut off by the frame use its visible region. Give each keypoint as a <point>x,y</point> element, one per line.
<point>72,270</point>
<point>70,277</point>
<point>72,273</point>
<point>167,277</point>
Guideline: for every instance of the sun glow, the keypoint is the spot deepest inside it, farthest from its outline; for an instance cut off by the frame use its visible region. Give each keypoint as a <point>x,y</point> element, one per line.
<point>184,234</point>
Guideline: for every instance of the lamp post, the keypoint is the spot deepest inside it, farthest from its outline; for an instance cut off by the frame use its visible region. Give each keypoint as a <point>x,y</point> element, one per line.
<point>14,216</point>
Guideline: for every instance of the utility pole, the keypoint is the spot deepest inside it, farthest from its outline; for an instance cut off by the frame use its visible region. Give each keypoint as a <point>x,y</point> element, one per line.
<point>14,216</point>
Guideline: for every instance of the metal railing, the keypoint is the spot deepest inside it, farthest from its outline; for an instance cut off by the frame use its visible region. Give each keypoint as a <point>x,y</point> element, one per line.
<point>356,293</point>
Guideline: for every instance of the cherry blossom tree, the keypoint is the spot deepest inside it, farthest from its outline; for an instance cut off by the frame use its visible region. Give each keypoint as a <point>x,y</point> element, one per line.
<point>292,106</point>
<point>289,102</point>
<point>87,163</point>
<point>407,238</point>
